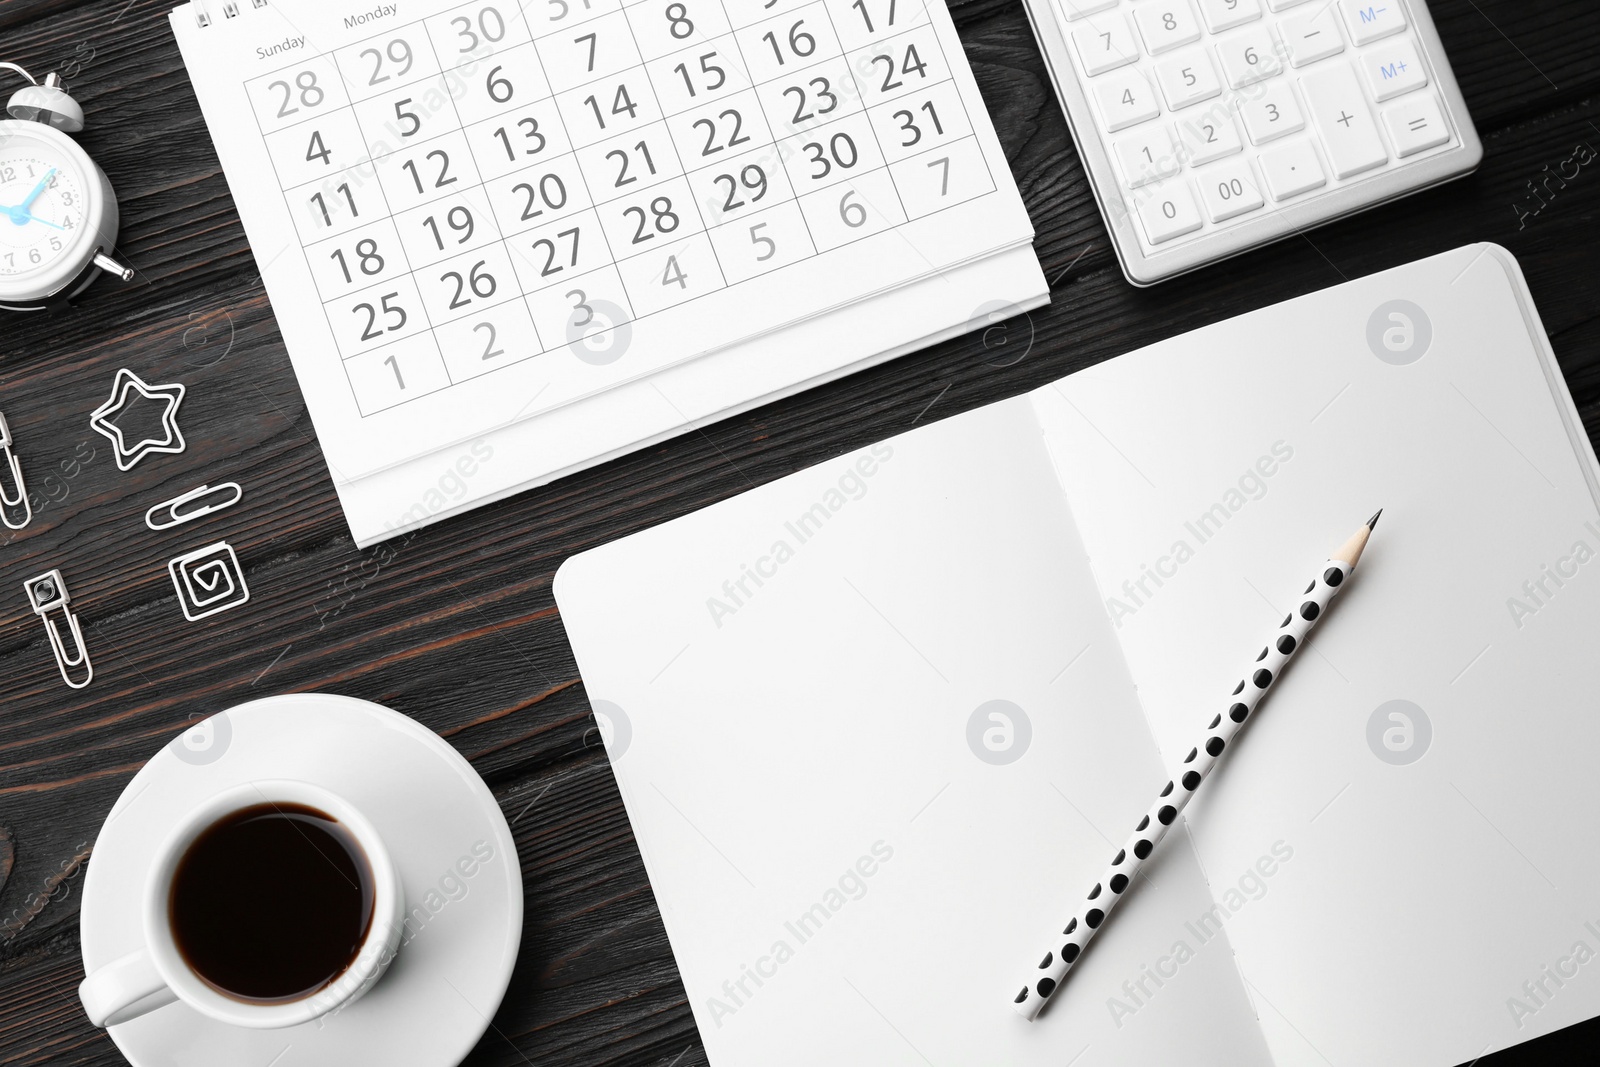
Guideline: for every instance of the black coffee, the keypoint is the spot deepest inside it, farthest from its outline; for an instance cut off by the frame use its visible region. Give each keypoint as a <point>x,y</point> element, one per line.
<point>271,903</point>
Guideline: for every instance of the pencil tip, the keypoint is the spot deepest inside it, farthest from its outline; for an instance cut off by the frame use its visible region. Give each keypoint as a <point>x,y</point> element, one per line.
<point>1373,522</point>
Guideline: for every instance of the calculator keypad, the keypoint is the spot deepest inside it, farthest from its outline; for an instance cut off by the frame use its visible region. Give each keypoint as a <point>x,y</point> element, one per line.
<point>499,180</point>
<point>1250,104</point>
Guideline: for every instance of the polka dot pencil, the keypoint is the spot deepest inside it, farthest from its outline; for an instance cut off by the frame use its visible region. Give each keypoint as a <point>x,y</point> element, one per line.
<point>1064,949</point>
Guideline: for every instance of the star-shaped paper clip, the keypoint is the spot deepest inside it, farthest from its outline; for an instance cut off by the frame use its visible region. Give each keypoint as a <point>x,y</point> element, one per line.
<point>124,390</point>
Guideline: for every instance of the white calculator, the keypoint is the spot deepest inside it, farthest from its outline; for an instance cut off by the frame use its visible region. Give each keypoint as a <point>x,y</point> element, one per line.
<point>1209,127</point>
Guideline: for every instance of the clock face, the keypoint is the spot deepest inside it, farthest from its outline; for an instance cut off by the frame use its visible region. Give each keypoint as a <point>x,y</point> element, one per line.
<point>42,206</point>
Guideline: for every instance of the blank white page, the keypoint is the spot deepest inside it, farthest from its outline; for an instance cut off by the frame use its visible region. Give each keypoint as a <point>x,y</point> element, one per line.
<point>796,766</point>
<point>1421,896</point>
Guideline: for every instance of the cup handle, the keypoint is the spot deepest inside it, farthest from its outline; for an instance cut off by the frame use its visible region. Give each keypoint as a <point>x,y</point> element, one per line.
<point>124,989</point>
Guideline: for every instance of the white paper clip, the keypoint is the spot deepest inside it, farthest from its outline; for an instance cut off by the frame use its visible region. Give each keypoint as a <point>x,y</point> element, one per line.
<point>9,503</point>
<point>48,593</point>
<point>170,513</point>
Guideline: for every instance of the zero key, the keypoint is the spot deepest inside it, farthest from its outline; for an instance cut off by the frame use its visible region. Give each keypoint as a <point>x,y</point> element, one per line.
<point>1348,131</point>
<point>1167,211</point>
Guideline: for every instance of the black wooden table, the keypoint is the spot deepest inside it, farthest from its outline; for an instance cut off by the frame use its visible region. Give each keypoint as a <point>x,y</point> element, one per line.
<point>456,626</point>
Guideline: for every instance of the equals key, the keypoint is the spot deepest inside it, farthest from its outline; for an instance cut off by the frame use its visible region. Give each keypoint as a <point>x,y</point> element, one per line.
<point>1416,126</point>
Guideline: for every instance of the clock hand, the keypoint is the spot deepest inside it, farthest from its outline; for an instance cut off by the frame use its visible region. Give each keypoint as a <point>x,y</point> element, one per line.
<point>20,215</point>
<point>47,222</point>
<point>38,190</point>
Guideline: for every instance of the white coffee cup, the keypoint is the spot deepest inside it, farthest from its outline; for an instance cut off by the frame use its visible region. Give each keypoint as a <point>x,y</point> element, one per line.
<point>156,975</point>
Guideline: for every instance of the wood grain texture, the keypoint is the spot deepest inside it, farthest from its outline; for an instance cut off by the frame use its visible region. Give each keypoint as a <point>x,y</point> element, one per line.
<point>456,626</point>
<point>8,856</point>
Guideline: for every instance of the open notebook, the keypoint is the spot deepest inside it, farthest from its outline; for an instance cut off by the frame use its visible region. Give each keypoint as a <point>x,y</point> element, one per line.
<point>876,723</point>
<point>508,240</point>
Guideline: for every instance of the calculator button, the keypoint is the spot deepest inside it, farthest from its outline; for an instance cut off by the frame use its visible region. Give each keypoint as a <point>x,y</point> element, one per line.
<point>1167,25</point>
<point>1348,131</point>
<point>1273,114</point>
<point>1147,156</point>
<point>1284,5</point>
<point>1105,45</point>
<point>1168,211</point>
<point>1416,126</point>
<point>1187,79</point>
<point>1292,169</point>
<point>1226,14</point>
<point>1229,190</point>
<point>1125,99</point>
<point>1250,57</point>
<point>1394,70</point>
<point>1077,9</point>
<point>1208,136</point>
<point>1371,21</point>
<point>1311,37</point>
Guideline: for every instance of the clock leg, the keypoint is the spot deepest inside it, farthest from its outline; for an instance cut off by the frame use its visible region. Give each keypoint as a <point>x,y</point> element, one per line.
<point>112,267</point>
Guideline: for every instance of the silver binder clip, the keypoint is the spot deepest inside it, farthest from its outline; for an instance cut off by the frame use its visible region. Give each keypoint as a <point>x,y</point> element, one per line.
<point>48,593</point>
<point>8,502</point>
<point>170,513</point>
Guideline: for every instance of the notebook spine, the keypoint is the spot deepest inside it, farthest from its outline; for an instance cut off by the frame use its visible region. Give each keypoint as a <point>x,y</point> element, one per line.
<point>230,10</point>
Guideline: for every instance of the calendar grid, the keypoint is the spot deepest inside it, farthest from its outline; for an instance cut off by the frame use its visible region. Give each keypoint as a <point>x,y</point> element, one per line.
<point>566,133</point>
<point>677,152</point>
<point>305,254</point>
<point>744,60</point>
<point>705,227</point>
<point>583,176</point>
<point>834,27</point>
<point>793,171</point>
<point>412,272</point>
<point>504,241</point>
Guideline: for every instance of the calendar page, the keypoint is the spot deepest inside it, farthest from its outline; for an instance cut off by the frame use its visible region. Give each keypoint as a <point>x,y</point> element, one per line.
<point>468,214</point>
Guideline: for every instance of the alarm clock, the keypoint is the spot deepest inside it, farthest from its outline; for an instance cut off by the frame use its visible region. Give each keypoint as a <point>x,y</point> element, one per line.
<point>58,214</point>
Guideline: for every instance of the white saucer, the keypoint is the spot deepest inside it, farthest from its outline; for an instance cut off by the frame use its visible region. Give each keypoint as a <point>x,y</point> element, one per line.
<point>432,810</point>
